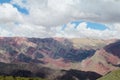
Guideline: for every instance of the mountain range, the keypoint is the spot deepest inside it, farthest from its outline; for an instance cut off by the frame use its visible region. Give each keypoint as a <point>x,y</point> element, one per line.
<point>66,59</point>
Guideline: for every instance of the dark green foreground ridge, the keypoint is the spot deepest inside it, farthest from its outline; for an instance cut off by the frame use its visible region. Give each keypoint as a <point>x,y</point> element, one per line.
<point>114,75</point>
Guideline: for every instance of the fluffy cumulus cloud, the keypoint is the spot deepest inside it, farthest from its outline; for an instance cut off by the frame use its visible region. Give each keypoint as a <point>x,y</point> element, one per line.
<point>46,18</point>
<point>9,14</point>
<point>83,31</point>
<point>56,12</point>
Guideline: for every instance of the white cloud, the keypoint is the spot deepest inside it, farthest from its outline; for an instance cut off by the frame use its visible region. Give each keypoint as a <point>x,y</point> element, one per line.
<point>9,14</point>
<point>23,30</point>
<point>83,31</point>
<point>46,17</point>
<point>57,12</point>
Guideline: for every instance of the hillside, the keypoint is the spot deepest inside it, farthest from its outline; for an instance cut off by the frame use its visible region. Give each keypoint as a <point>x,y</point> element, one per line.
<point>114,75</point>
<point>14,50</point>
<point>57,54</point>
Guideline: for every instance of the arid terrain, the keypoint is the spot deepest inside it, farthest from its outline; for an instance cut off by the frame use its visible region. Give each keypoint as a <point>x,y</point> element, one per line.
<point>59,58</point>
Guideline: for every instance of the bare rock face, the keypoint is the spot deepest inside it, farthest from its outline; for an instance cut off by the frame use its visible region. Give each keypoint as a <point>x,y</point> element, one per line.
<point>37,50</point>
<point>104,60</point>
<point>113,48</point>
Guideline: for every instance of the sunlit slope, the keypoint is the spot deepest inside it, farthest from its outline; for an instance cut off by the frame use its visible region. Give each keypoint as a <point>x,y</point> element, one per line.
<point>115,75</point>
<point>89,43</point>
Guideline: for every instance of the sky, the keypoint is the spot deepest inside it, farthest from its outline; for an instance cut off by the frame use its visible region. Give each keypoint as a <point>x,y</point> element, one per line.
<point>99,19</point>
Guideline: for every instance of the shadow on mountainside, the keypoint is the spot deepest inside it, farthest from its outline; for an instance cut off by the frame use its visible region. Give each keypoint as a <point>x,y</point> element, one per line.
<point>79,75</point>
<point>113,48</point>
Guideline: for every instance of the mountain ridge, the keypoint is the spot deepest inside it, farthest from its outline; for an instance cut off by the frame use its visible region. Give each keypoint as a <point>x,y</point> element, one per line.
<point>62,54</point>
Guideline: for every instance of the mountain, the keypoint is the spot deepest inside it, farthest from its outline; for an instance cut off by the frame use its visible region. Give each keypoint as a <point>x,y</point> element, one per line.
<point>104,60</point>
<point>39,50</point>
<point>57,54</point>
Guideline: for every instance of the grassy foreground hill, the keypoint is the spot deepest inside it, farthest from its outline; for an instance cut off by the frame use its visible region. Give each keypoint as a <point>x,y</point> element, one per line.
<point>18,78</point>
<point>114,75</point>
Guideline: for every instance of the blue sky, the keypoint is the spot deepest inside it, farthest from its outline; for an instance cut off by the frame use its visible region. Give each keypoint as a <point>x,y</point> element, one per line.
<point>5,1</point>
<point>92,25</point>
<point>20,9</point>
<point>97,26</point>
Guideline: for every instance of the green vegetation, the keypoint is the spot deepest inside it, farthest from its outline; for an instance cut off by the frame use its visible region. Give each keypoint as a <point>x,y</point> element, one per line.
<point>18,78</point>
<point>115,75</point>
